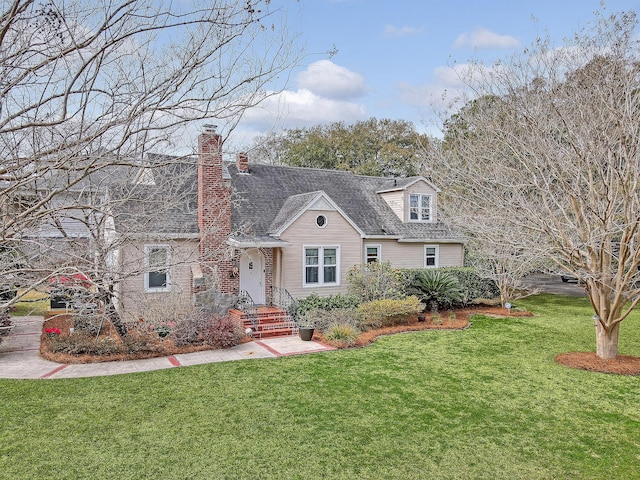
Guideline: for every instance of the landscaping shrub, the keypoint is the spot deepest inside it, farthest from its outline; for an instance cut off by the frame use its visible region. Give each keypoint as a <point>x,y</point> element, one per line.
<point>222,331</point>
<point>323,320</point>
<point>472,285</point>
<point>332,302</point>
<point>170,308</point>
<point>83,344</point>
<point>379,313</point>
<point>375,281</point>
<point>342,335</point>
<point>436,288</point>
<point>89,324</point>
<point>189,331</point>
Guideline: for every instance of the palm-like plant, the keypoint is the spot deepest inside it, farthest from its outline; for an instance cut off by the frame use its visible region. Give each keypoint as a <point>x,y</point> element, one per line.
<point>436,288</point>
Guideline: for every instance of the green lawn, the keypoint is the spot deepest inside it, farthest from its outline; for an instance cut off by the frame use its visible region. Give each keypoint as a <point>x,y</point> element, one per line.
<point>34,303</point>
<point>488,402</point>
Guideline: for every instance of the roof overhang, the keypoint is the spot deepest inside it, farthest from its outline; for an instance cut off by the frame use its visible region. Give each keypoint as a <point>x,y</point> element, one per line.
<point>257,243</point>
<point>407,185</point>
<point>460,241</point>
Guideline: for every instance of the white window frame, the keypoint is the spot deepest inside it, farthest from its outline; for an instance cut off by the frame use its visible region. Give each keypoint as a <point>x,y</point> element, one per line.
<point>147,269</point>
<point>436,256</point>
<point>376,246</point>
<point>320,266</point>
<point>420,217</point>
<point>326,220</point>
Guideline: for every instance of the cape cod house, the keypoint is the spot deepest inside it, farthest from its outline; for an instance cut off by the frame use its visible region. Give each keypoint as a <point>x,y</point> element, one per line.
<point>265,229</point>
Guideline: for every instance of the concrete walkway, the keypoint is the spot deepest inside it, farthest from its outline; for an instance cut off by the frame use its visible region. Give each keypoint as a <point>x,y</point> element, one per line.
<point>20,359</point>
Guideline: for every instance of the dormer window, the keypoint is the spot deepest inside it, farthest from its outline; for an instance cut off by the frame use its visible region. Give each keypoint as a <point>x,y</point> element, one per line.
<point>419,208</point>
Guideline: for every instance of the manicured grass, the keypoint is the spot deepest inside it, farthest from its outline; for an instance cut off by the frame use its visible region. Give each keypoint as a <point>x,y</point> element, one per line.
<point>488,402</point>
<point>35,303</point>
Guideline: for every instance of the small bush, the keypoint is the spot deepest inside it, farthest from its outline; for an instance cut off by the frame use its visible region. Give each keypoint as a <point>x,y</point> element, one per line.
<point>342,335</point>
<point>379,313</point>
<point>223,331</point>
<point>89,324</point>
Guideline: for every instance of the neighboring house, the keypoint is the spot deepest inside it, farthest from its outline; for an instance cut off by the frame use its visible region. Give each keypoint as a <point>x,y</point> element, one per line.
<point>266,227</point>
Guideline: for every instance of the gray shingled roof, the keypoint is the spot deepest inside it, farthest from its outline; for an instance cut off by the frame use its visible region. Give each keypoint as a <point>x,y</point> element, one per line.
<point>269,194</point>
<point>165,203</point>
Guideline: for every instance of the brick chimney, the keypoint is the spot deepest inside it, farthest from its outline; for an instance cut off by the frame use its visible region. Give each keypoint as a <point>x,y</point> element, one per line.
<point>242,162</point>
<point>214,210</point>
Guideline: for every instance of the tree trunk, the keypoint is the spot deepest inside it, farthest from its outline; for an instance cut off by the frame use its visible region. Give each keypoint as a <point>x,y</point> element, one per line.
<point>607,341</point>
<point>112,314</point>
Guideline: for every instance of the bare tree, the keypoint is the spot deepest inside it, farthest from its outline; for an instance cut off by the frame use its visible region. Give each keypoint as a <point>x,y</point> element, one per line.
<point>551,144</point>
<point>86,90</point>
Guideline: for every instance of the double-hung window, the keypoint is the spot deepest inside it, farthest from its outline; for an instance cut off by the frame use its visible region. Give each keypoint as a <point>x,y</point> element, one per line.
<point>419,207</point>
<point>156,276</point>
<point>371,253</point>
<point>321,266</point>
<point>430,256</point>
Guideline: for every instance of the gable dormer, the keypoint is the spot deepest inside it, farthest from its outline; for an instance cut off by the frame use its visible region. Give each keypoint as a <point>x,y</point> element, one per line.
<point>413,199</point>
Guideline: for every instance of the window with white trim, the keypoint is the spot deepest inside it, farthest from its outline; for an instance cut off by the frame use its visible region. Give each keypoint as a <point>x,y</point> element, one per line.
<point>419,207</point>
<point>431,256</point>
<point>372,253</point>
<point>156,276</point>
<point>321,266</point>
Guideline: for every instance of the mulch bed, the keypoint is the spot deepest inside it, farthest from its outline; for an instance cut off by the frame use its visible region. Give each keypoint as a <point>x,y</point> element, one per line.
<point>622,365</point>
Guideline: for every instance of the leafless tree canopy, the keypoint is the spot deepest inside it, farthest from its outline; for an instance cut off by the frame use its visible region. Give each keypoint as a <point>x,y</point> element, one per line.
<point>544,162</point>
<point>88,88</point>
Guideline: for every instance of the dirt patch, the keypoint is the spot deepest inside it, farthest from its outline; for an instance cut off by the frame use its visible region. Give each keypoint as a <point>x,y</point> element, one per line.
<point>621,365</point>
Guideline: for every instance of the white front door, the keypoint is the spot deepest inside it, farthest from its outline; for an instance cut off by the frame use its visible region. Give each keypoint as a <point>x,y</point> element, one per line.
<point>252,275</point>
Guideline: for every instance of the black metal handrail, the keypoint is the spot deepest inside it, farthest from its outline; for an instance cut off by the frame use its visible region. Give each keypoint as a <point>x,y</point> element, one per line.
<point>280,297</point>
<point>248,306</point>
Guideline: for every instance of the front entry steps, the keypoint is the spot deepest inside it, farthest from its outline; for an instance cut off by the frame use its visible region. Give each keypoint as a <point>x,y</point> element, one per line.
<point>272,322</point>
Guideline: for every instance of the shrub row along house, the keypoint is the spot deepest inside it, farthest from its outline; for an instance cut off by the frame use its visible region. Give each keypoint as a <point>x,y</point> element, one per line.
<point>263,230</point>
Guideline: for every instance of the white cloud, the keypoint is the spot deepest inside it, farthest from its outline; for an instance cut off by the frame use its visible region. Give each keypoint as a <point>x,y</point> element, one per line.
<point>325,93</point>
<point>482,38</point>
<point>326,79</point>
<point>405,31</point>
<point>302,107</point>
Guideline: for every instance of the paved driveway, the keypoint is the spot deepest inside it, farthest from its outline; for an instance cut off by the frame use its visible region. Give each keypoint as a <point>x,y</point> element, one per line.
<point>553,284</point>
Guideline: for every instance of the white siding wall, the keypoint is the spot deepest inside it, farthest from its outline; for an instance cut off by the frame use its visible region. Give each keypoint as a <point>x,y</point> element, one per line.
<point>395,200</point>
<point>184,253</point>
<point>304,231</point>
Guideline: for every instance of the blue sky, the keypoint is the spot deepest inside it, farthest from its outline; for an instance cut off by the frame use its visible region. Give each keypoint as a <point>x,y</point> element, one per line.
<point>395,56</point>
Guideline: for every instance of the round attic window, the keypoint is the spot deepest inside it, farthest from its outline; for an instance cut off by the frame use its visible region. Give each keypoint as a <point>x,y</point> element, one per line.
<point>321,221</point>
